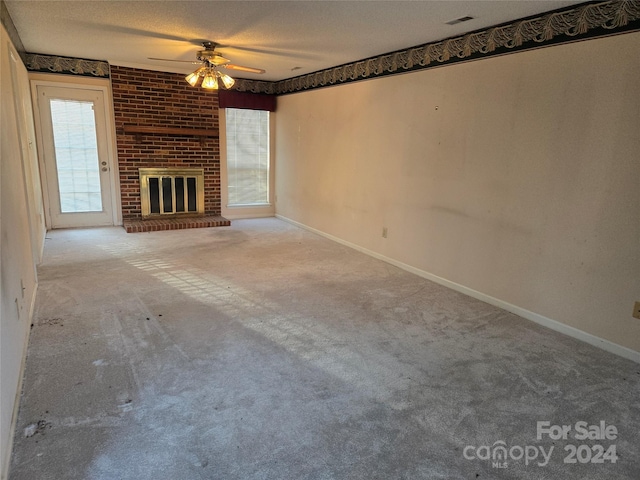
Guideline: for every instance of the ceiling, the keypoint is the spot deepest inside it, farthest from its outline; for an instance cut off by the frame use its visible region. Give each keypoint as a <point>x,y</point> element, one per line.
<point>286,38</point>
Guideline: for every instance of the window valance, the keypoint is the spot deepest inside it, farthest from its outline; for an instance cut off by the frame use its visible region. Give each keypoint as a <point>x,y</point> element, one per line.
<point>248,101</point>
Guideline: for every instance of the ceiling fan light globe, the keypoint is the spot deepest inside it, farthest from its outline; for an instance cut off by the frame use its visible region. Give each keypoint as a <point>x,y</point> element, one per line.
<point>192,78</point>
<point>227,81</point>
<point>210,82</point>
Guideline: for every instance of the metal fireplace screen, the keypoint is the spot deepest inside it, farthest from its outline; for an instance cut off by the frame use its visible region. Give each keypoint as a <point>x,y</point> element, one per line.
<point>172,191</point>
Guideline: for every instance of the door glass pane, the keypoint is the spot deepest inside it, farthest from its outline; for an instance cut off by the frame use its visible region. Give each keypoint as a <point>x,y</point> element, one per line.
<point>76,151</point>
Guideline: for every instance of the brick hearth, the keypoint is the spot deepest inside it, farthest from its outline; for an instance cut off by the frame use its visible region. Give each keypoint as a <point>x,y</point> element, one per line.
<point>174,223</point>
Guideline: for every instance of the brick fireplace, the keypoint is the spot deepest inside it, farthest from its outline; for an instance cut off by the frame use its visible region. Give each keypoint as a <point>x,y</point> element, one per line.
<point>162,122</point>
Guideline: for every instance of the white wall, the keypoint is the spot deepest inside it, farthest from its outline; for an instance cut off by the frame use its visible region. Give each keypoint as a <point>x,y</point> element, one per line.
<point>516,177</point>
<point>21,233</point>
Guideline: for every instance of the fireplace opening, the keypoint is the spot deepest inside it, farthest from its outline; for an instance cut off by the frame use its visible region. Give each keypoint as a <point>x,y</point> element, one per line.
<point>172,191</point>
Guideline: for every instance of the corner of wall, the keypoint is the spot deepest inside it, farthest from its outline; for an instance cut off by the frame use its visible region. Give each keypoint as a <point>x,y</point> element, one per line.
<point>19,247</point>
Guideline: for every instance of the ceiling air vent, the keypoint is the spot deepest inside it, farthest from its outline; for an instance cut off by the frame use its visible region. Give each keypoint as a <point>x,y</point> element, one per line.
<point>459,20</point>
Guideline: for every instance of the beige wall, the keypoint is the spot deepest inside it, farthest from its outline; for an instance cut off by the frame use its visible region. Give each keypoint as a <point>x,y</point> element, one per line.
<point>516,176</point>
<point>21,232</point>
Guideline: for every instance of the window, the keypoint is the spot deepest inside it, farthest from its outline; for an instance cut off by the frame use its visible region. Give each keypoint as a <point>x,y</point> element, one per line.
<point>247,156</point>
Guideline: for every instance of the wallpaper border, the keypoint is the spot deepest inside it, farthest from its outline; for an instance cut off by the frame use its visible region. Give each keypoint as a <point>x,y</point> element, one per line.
<point>582,22</point>
<point>7,22</point>
<point>66,65</point>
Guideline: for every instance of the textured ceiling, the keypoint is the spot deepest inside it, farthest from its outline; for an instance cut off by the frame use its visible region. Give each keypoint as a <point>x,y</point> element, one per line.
<point>286,39</point>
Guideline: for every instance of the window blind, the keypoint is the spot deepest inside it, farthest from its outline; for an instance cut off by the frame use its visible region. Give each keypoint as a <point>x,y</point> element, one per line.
<point>247,156</point>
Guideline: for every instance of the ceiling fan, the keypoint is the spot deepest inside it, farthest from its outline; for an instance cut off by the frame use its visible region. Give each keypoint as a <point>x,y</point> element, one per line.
<point>208,75</point>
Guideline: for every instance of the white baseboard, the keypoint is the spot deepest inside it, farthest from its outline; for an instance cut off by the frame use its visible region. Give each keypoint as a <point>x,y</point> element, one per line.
<point>527,314</point>
<point>248,215</point>
<point>6,455</point>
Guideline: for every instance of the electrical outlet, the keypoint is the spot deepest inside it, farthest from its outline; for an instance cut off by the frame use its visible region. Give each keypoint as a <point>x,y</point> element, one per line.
<point>384,232</point>
<point>636,310</point>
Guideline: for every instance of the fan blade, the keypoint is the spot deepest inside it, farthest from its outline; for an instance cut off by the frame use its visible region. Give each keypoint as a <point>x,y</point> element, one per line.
<point>243,69</point>
<point>171,60</point>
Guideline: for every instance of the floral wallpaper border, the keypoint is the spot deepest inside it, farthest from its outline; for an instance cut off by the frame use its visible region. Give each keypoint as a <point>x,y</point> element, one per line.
<point>77,66</point>
<point>587,20</point>
<point>584,21</point>
<point>7,22</point>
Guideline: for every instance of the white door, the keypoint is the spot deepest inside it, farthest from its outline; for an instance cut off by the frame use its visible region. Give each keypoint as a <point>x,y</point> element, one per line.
<point>76,156</point>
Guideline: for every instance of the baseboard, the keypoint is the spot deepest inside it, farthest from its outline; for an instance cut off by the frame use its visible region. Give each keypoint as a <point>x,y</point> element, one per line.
<point>6,455</point>
<point>521,312</point>
<point>250,215</point>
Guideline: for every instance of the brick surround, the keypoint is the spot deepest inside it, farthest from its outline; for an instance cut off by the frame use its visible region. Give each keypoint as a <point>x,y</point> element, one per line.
<point>159,99</point>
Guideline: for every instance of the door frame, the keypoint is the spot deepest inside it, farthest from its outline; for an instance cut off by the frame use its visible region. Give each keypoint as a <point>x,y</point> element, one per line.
<point>80,83</point>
